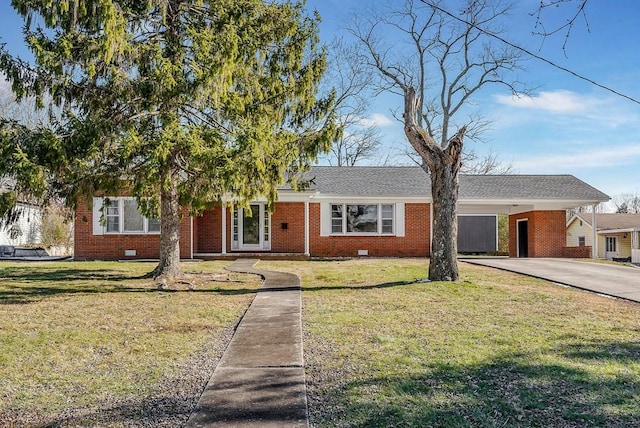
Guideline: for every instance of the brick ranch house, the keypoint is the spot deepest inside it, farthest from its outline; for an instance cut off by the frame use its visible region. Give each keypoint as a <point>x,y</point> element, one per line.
<point>348,212</point>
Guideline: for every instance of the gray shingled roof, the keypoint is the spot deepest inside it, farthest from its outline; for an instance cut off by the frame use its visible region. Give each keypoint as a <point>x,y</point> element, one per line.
<point>613,221</point>
<point>370,181</point>
<point>528,187</point>
<point>414,182</point>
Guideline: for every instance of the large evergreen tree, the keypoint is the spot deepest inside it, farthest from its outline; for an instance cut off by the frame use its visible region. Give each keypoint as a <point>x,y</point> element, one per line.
<point>179,102</point>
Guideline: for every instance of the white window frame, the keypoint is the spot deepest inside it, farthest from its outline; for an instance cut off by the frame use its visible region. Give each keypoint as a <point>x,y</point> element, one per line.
<point>380,219</point>
<point>582,241</point>
<point>112,211</point>
<point>100,211</point>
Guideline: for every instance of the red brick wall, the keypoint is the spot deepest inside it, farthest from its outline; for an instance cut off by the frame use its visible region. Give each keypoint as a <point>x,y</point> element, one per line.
<point>546,233</point>
<point>88,246</point>
<point>415,243</point>
<point>208,227</point>
<point>291,239</point>
<point>583,252</point>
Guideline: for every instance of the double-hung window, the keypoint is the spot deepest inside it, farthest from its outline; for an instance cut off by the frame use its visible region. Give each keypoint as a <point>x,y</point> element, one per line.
<point>121,215</point>
<point>112,215</point>
<point>362,219</point>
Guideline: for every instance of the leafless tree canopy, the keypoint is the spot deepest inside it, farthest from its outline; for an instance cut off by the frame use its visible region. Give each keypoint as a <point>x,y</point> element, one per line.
<point>445,60</point>
<point>627,203</point>
<point>349,77</point>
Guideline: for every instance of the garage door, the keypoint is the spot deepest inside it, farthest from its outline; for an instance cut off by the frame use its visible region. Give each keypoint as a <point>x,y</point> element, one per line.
<point>477,233</point>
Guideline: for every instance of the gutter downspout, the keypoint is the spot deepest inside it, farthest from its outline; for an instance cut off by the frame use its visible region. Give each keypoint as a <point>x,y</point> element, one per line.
<point>307,250</point>
<point>594,227</point>
<point>224,228</point>
<point>191,232</point>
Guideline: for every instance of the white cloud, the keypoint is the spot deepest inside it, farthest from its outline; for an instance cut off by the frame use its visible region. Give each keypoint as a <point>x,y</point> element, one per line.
<point>600,157</point>
<point>376,119</point>
<point>559,101</point>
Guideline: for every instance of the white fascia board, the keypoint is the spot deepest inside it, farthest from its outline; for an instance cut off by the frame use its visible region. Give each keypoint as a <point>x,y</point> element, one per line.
<point>283,196</point>
<point>522,205</point>
<point>627,230</point>
<point>293,196</point>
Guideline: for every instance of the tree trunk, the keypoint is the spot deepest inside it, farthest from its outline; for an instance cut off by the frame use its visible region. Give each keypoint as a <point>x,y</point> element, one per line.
<point>169,266</point>
<point>444,242</point>
<point>444,166</point>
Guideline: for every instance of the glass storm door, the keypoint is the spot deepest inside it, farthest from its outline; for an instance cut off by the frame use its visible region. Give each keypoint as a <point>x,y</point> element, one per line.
<point>251,227</point>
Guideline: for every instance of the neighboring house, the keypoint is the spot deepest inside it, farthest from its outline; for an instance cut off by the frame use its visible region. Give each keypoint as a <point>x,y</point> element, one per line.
<point>346,212</point>
<point>26,230</point>
<point>618,235</point>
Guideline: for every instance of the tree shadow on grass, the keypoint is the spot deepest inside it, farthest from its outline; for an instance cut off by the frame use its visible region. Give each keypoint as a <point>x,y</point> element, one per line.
<point>22,285</point>
<point>361,287</point>
<point>44,274</point>
<point>142,411</point>
<point>513,391</point>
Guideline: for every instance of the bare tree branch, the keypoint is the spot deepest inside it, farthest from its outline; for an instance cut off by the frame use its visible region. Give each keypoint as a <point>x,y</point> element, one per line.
<point>576,13</point>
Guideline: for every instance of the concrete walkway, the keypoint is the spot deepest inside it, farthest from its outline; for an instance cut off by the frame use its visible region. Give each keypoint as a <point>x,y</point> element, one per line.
<point>259,382</point>
<point>610,280</point>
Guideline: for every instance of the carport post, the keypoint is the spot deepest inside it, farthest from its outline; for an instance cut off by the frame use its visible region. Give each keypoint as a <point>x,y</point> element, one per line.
<point>594,228</point>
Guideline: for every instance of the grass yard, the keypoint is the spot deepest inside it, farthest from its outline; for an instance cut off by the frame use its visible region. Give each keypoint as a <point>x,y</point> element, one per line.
<point>492,350</point>
<point>92,344</point>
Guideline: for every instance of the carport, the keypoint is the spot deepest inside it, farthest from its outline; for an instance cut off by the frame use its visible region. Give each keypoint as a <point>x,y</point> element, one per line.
<point>536,206</point>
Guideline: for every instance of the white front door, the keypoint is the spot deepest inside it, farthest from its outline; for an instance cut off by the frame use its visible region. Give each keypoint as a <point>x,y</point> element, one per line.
<point>610,247</point>
<point>251,229</point>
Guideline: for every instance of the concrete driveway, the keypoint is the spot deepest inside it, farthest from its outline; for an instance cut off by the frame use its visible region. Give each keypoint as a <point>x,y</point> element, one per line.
<point>611,280</point>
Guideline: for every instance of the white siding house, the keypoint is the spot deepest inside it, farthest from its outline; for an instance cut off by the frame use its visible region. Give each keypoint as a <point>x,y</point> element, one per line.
<point>26,230</point>
<point>618,234</point>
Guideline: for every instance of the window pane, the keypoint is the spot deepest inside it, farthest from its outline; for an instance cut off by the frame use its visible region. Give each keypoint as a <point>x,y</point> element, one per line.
<point>235,225</point>
<point>336,219</point>
<point>387,218</point>
<point>581,241</point>
<point>112,215</point>
<point>113,224</point>
<point>153,225</point>
<point>362,218</point>
<point>133,221</point>
<point>251,226</point>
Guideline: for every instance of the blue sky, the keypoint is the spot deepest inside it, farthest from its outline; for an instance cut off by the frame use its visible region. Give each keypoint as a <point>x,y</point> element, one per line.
<point>568,126</point>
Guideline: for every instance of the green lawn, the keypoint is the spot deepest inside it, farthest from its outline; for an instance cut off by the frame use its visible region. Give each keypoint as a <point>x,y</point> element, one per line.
<point>494,349</point>
<point>89,339</point>
<point>94,341</point>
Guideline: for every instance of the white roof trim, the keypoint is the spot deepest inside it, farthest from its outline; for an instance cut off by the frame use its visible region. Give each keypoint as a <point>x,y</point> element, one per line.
<point>627,230</point>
